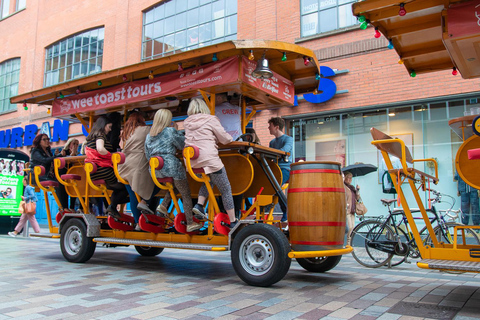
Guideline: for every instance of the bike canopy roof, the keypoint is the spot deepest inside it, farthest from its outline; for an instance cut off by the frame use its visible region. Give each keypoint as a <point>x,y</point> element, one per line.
<point>430,35</point>
<point>167,81</point>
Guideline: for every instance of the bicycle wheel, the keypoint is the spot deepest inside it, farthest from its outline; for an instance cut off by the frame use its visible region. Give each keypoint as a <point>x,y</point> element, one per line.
<point>402,252</point>
<point>367,239</point>
<point>471,238</point>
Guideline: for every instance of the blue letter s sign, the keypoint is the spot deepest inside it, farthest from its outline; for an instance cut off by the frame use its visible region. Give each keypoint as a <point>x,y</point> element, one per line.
<point>327,87</point>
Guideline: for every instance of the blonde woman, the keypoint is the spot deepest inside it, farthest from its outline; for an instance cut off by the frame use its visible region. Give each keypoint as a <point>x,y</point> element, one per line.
<point>205,131</point>
<point>71,147</point>
<point>164,141</point>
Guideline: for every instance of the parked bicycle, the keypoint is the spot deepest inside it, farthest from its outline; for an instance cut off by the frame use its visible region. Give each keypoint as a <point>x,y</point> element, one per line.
<point>380,241</point>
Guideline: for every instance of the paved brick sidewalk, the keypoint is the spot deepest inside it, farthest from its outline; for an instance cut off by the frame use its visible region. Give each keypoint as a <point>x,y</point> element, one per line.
<point>36,282</point>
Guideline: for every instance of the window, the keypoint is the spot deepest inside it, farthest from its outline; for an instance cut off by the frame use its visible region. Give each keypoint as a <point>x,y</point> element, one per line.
<point>20,5</point>
<point>179,25</point>
<point>5,8</point>
<point>9,75</point>
<point>319,16</point>
<point>75,57</point>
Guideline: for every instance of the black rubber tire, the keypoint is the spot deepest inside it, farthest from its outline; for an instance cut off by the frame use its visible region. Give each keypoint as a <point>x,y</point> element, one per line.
<point>320,264</point>
<point>148,251</point>
<point>399,259</point>
<point>364,233</point>
<point>74,243</point>
<point>260,255</point>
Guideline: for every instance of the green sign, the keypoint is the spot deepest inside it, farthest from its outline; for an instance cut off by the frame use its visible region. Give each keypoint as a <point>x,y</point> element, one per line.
<point>12,163</point>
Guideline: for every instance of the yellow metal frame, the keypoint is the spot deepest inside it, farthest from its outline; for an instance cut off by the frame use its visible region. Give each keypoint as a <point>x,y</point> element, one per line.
<point>439,251</point>
<point>101,188</point>
<point>71,183</point>
<point>37,171</point>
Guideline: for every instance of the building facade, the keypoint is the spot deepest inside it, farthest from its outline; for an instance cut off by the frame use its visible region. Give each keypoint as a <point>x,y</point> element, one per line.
<point>50,42</point>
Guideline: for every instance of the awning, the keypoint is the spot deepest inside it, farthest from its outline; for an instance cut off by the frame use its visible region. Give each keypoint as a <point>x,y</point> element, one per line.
<point>429,35</point>
<point>295,64</point>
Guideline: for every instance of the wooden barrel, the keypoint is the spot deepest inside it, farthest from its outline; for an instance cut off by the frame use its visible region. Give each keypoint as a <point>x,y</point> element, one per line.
<point>316,206</point>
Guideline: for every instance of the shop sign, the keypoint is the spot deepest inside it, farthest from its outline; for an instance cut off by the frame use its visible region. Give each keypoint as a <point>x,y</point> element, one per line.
<point>12,163</point>
<point>326,88</point>
<point>213,74</point>
<point>18,137</point>
<point>463,19</point>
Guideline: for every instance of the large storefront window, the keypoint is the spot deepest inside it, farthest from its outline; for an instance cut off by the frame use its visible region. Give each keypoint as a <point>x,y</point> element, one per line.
<point>9,75</point>
<point>319,16</point>
<point>78,56</point>
<point>346,138</point>
<point>179,25</point>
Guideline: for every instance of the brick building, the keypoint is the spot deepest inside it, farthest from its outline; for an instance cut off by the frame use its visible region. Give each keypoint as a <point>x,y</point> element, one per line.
<point>49,42</point>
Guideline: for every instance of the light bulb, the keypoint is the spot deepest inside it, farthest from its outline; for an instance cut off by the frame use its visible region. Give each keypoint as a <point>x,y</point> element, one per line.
<point>413,74</point>
<point>99,83</point>
<point>250,55</point>
<point>377,33</point>
<point>180,68</point>
<point>124,78</point>
<point>150,75</point>
<point>361,19</point>
<point>454,71</point>
<point>390,44</point>
<point>214,58</point>
<point>402,10</point>
<point>364,25</point>
<point>306,60</point>
<point>284,57</point>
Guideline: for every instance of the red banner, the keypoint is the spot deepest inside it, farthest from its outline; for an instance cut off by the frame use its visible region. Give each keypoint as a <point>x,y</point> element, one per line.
<point>276,86</point>
<point>213,74</point>
<point>464,19</point>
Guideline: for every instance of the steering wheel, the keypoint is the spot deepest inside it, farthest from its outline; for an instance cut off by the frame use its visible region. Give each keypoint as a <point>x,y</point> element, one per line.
<point>247,137</point>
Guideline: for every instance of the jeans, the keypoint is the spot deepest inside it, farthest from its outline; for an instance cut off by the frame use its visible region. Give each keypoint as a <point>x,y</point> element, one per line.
<point>285,178</point>
<point>470,199</point>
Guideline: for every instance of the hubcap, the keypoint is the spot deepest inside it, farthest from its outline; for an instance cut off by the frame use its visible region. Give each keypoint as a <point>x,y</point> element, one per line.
<point>73,240</point>
<point>256,255</point>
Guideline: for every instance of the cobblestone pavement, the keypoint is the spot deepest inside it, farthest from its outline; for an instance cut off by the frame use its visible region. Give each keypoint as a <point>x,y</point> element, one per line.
<point>118,283</point>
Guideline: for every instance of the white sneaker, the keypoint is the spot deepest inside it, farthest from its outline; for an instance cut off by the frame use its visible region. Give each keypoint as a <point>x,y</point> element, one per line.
<point>12,234</point>
<point>162,211</point>
<point>194,226</point>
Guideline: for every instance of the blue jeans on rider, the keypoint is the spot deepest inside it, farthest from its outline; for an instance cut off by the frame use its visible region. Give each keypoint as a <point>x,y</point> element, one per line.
<point>134,202</point>
<point>285,178</point>
<point>469,200</point>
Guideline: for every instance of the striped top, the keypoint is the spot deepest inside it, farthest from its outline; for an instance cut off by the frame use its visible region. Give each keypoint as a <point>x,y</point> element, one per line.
<point>103,173</point>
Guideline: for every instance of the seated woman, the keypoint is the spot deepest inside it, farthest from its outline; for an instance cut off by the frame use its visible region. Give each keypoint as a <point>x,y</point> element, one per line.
<point>135,167</point>
<point>98,151</point>
<point>41,155</point>
<point>205,131</point>
<point>71,147</point>
<point>164,141</point>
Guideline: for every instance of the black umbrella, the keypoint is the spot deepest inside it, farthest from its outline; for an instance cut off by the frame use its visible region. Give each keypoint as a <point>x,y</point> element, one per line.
<point>360,169</point>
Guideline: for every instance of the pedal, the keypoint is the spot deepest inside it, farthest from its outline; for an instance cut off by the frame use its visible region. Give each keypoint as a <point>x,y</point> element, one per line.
<point>475,253</point>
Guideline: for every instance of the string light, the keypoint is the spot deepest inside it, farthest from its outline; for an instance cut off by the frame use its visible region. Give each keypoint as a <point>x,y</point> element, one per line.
<point>78,91</point>
<point>48,110</point>
<point>61,96</point>
<point>250,55</point>
<point>377,33</point>
<point>284,57</point>
<point>214,58</point>
<point>317,76</point>
<point>150,75</point>
<point>400,60</point>
<point>402,10</point>
<point>413,74</point>
<point>361,19</point>
<point>315,91</point>
<point>99,83</point>
<point>124,77</point>
<point>390,44</point>
<point>454,71</point>
<point>306,60</point>
<point>25,106</point>
<point>364,24</point>
<point>180,68</point>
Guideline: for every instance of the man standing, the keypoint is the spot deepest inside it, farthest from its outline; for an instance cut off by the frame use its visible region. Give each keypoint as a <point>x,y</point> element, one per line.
<point>281,142</point>
<point>229,115</point>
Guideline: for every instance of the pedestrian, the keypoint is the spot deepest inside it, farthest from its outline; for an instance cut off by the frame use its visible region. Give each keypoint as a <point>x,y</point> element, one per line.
<point>352,195</point>
<point>164,141</point>
<point>28,197</point>
<point>469,201</point>
<point>281,142</point>
<point>205,132</point>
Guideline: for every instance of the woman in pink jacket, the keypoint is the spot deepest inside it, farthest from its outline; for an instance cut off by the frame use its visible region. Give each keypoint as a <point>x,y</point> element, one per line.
<point>205,131</point>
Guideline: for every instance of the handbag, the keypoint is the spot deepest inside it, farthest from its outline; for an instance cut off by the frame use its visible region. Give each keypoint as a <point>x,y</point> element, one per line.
<point>31,207</point>
<point>21,207</point>
<point>360,208</point>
